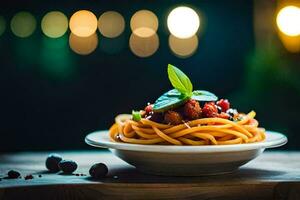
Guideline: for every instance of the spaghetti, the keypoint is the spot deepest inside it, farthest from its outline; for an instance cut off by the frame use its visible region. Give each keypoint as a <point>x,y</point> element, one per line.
<point>183,116</point>
<point>203,131</point>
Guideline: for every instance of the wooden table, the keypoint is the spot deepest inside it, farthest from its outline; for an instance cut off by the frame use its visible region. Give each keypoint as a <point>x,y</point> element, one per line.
<point>274,175</point>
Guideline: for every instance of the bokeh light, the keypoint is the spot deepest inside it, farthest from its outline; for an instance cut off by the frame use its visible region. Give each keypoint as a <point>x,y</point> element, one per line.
<point>144,23</point>
<point>54,24</point>
<point>183,22</point>
<point>111,24</point>
<point>288,20</point>
<point>83,23</point>
<point>183,48</point>
<point>23,24</point>
<point>291,43</point>
<point>83,45</point>
<point>2,25</point>
<point>143,47</point>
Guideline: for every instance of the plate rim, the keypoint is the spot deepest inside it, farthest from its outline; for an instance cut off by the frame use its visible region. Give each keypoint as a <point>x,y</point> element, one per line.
<point>106,143</point>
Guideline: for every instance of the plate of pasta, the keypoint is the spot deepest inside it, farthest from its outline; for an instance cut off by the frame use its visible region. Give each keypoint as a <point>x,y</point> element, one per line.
<point>186,132</point>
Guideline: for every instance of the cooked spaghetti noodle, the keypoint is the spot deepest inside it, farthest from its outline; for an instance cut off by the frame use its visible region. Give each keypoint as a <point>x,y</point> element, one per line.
<point>203,131</point>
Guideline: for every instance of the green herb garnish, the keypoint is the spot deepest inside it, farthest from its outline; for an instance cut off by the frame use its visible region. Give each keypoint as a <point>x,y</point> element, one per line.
<point>136,115</point>
<point>182,92</point>
<point>180,81</point>
<point>202,95</point>
<point>168,100</point>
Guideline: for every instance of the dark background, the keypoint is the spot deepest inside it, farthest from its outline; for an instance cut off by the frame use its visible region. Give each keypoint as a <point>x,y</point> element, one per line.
<point>51,97</point>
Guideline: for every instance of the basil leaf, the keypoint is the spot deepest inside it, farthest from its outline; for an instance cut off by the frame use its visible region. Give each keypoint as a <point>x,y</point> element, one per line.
<point>180,81</point>
<point>136,115</point>
<point>168,100</point>
<point>202,95</point>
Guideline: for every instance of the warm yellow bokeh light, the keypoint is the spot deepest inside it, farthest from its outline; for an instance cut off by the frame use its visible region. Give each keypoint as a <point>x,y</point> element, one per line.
<point>183,22</point>
<point>143,47</point>
<point>144,23</point>
<point>83,23</point>
<point>23,24</point>
<point>83,45</point>
<point>183,48</point>
<point>111,24</point>
<point>54,24</point>
<point>288,20</point>
<point>2,25</point>
<point>292,44</point>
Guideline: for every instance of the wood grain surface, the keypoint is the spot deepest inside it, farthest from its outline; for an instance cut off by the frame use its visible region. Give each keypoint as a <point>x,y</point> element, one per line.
<point>273,175</point>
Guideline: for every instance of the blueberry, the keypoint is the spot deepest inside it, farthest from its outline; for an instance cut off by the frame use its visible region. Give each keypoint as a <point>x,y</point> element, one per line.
<point>98,170</point>
<point>52,162</point>
<point>67,166</point>
<point>219,109</point>
<point>13,174</point>
<point>232,112</point>
<point>29,176</point>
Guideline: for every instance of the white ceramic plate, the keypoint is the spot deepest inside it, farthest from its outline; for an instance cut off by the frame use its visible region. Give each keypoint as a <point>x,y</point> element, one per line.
<point>186,160</point>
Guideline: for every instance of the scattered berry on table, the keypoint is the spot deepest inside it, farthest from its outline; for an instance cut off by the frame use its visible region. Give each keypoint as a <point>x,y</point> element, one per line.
<point>13,174</point>
<point>29,176</point>
<point>67,166</point>
<point>192,109</point>
<point>40,175</point>
<point>52,162</point>
<point>224,104</point>
<point>98,170</point>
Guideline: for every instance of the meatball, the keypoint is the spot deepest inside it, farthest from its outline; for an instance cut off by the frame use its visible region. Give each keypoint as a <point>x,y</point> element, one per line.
<point>192,109</point>
<point>172,117</point>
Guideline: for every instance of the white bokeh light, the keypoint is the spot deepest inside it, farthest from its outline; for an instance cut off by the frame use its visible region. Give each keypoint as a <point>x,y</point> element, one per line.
<point>288,20</point>
<point>183,22</point>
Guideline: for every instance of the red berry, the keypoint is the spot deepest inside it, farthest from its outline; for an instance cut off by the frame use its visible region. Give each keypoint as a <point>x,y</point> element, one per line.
<point>210,110</point>
<point>192,109</point>
<point>149,108</point>
<point>224,104</point>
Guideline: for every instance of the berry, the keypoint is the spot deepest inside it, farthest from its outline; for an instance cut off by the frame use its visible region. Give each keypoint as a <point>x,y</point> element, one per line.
<point>219,109</point>
<point>232,112</point>
<point>192,109</point>
<point>13,174</point>
<point>67,166</point>
<point>224,104</point>
<point>52,162</point>
<point>210,110</point>
<point>172,117</point>
<point>29,176</point>
<point>149,109</point>
<point>98,170</point>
